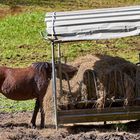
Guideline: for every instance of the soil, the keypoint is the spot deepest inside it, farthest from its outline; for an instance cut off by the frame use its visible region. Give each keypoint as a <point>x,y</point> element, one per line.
<point>14,126</point>
<point>10,11</point>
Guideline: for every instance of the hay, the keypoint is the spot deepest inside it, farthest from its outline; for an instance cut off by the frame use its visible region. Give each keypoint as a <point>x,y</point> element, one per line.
<point>113,78</point>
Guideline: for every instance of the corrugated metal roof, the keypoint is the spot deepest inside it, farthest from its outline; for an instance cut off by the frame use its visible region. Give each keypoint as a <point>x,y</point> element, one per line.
<point>93,24</point>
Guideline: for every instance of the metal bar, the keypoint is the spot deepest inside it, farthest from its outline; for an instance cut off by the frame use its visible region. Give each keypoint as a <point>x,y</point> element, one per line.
<point>60,68</point>
<point>54,85</point>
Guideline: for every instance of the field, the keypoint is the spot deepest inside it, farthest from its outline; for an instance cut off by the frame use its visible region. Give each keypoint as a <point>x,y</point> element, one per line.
<point>21,44</point>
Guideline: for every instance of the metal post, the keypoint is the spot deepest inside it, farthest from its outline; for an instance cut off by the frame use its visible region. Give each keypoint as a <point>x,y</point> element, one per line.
<point>54,85</point>
<point>60,68</point>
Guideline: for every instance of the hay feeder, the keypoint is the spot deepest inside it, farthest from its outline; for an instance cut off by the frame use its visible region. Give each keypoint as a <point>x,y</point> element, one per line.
<point>92,25</point>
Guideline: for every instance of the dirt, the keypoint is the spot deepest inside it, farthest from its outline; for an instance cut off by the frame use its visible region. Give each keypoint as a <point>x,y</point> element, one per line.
<point>10,11</point>
<point>15,126</point>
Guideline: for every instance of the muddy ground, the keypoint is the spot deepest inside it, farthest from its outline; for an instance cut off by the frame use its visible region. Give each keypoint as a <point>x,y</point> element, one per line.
<point>15,126</point>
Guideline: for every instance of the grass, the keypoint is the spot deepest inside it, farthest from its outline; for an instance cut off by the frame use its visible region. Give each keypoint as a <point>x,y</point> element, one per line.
<point>7,105</point>
<point>21,42</point>
<point>20,37</point>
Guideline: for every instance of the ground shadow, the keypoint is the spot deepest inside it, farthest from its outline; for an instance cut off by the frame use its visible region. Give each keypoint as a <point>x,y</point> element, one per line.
<point>132,126</point>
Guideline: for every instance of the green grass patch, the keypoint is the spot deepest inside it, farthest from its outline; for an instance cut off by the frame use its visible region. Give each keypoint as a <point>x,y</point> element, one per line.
<point>7,105</point>
<point>22,29</point>
<point>20,38</point>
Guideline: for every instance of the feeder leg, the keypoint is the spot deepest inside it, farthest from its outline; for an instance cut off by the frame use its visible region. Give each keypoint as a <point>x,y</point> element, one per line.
<point>54,86</point>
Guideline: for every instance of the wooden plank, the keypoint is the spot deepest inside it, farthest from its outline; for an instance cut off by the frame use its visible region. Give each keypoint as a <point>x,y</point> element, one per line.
<point>96,117</point>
